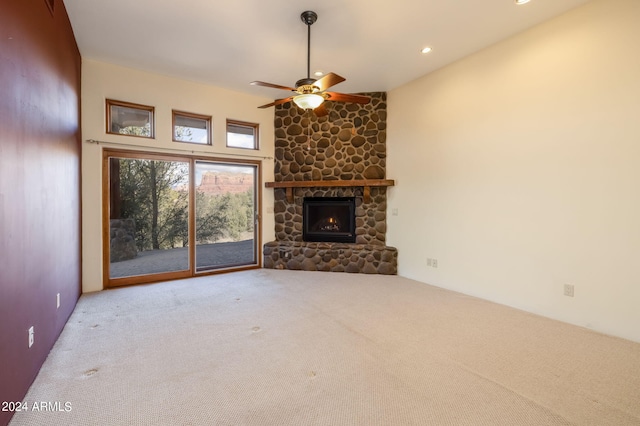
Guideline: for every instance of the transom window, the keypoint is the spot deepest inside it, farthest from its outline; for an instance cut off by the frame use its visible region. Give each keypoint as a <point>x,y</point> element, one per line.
<point>125,118</point>
<point>241,134</point>
<point>193,128</point>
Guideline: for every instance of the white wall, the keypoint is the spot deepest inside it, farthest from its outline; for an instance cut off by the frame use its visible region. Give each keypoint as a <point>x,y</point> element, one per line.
<point>518,168</point>
<point>101,81</point>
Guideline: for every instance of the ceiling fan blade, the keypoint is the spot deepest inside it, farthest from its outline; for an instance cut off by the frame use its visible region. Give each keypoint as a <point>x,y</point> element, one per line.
<point>328,80</point>
<point>342,97</point>
<point>277,102</point>
<point>321,111</point>
<point>275,86</point>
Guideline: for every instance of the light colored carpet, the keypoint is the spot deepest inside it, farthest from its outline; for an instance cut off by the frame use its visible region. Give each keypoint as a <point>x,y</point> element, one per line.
<point>268,347</point>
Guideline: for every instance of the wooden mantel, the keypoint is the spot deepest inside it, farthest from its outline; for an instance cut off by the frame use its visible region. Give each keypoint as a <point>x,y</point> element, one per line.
<point>366,184</point>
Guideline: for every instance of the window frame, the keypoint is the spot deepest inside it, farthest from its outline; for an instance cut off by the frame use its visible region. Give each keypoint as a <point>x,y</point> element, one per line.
<point>143,108</point>
<point>256,132</point>
<point>206,118</point>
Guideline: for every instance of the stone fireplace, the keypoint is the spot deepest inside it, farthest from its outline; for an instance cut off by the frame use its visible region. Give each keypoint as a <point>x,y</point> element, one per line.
<point>338,156</point>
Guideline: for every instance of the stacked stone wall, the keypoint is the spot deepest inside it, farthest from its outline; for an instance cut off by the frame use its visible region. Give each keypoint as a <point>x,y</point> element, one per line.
<point>122,240</point>
<point>347,144</point>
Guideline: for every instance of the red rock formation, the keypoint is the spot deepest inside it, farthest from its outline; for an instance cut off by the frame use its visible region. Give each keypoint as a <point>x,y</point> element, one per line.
<point>216,183</point>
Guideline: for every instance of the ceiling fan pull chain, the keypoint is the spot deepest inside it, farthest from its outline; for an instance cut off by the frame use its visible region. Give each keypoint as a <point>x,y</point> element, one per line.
<point>308,130</point>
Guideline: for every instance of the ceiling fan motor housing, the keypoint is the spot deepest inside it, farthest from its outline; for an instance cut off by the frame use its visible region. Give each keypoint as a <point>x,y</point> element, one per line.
<point>305,82</point>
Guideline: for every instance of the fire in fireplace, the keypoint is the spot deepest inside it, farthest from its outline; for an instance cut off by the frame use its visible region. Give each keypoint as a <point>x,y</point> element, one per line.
<point>329,219</point>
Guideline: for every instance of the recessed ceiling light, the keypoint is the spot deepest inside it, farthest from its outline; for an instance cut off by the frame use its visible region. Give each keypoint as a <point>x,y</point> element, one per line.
<point>522,1</point>
<point>426,50</point>
<point>318,73</point>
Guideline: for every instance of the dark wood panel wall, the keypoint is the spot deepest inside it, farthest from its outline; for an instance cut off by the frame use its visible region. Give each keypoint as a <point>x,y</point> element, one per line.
<point>40,248</point>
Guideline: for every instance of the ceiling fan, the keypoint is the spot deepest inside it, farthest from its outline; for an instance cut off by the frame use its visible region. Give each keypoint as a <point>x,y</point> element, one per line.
<point>311,93</point>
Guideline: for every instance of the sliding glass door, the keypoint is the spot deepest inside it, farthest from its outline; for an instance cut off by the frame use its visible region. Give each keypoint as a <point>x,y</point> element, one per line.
<point>158,204</point>
<point>225,215</point>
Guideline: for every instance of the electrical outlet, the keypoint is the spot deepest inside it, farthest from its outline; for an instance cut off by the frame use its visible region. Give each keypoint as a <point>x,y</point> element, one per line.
<point>568,290</point>
<point>31,336</point>
<point>58,301</point>
<point>434,263</point>
<point>429,261</point>
<point>394,212</point>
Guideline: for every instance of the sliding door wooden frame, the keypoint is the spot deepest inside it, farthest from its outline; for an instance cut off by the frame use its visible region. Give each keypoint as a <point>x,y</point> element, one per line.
<point>108,153</point>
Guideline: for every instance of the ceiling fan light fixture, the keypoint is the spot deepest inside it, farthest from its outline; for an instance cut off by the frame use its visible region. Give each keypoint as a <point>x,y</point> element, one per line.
<point>308,100</point>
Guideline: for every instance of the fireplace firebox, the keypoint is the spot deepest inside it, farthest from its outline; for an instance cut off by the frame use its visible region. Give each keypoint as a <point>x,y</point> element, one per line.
<point>329,219</point>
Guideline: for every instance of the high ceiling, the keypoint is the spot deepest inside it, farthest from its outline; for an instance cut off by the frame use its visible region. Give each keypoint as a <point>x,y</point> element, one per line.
<point>375,44</point>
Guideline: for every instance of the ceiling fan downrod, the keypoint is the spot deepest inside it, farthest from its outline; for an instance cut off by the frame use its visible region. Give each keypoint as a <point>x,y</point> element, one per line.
<point>308,17</point>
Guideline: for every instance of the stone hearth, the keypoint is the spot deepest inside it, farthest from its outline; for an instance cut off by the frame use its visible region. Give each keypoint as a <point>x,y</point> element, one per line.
<point>331,257</point>
<point>347,145</point>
